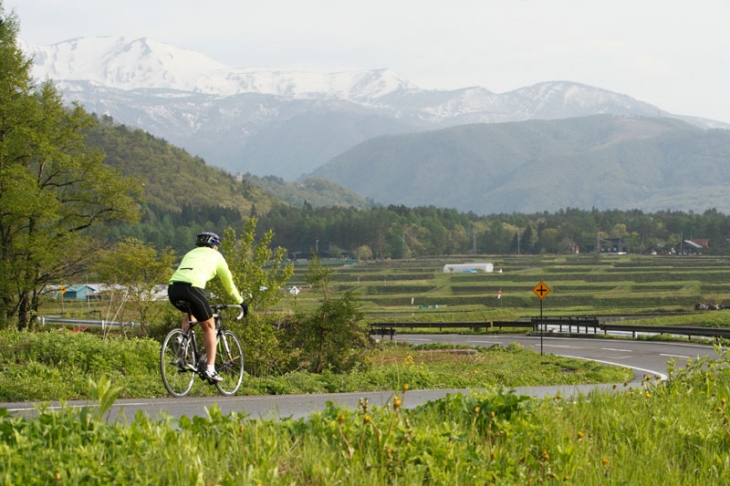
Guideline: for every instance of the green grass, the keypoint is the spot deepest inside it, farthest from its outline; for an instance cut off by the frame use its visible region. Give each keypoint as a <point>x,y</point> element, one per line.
<point>58,365</point>
<point>581,285</point>
<point>669,433</point>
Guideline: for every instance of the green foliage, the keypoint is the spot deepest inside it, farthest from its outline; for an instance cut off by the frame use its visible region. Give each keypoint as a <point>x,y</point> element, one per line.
<point>486,437</point>
<point>316,192</point>
<point>58,365</point>
<point>331,336</point>
<point>258,271</point>
<point>136,270</point>
<point>264,345</point>
<point>54,189</point>
<point>174,180</point>
<point>182,195</point>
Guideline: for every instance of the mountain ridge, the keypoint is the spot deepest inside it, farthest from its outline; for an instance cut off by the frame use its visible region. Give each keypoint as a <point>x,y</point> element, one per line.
<point>285,124</point>
<point>602,161</point>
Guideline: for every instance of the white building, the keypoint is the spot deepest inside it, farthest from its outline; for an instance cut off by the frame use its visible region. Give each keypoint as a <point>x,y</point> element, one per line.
<point>468,267</point>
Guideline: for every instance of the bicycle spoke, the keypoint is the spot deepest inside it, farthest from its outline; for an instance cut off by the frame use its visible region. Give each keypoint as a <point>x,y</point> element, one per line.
<point>229,363</point>
<point>175,360</point>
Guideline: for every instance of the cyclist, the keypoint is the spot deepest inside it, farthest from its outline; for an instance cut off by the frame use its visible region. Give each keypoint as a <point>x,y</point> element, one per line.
<point>199,266</point>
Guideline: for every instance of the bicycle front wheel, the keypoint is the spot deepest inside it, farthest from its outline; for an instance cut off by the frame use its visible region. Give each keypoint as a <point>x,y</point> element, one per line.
<point>176,363</point>
<point>229,363</point>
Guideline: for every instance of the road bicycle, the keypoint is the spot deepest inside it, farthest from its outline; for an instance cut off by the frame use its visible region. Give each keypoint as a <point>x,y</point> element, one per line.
<point>181,358</point>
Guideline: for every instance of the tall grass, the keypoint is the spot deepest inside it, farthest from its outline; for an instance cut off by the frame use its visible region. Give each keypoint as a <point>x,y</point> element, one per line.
<point>669,433</point>
<point>57,365</point>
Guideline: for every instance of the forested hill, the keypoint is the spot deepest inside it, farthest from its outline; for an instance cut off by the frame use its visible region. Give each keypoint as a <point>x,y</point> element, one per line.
<point>602,162</point>
<point>312,191</point>
<point>173,178</point>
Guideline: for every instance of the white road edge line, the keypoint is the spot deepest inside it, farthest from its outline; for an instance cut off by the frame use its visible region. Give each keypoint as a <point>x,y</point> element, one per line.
<point>675,356</point>
<point>652,372</point>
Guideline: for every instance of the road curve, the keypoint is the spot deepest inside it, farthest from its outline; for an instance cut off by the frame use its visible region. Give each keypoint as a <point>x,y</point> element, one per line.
<point>644,357</point>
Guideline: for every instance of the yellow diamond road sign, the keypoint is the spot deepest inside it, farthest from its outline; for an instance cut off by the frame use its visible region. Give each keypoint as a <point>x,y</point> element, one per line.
<point>541,290</point>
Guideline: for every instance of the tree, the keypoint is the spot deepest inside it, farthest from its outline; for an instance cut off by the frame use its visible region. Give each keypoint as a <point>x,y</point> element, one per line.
<point>332,336</point>
<point>54,191</point>
<point>363,252</point>
<point>259,272</point>
<point>136,270</point>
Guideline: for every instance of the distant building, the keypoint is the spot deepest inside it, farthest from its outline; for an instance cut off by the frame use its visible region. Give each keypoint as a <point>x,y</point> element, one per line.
<point>694,246</point>
<point>468,267</point>
<point>614,245</point>
<point>80,292</point>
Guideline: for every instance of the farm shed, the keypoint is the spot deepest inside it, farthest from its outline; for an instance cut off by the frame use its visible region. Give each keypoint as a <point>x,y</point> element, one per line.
<point>79,292</point>
<point>465,267</point>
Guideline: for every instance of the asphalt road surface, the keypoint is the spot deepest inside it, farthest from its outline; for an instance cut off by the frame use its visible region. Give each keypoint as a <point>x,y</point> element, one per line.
<point>644,357</point>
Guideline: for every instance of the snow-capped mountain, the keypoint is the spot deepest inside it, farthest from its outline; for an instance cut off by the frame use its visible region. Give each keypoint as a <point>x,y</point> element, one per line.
<point>120,63</point>
<point>284,123</point>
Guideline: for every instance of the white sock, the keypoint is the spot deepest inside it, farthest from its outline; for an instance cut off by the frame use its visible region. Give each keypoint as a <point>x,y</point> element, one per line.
<point>211,368</point>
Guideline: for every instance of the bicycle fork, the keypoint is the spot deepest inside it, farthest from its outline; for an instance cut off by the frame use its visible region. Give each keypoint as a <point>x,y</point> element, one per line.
<point>199,360</point>
<point>224,348</point>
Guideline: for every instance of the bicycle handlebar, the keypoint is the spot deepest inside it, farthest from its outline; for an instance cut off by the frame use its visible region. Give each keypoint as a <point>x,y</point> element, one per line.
<point>218,307</point>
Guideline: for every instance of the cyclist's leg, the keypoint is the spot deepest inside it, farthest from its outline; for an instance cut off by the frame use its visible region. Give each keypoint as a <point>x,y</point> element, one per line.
<point>209,340</point>
<point>199,307</point>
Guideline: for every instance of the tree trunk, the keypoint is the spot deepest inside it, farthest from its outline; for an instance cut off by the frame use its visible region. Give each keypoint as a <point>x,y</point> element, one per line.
<point>24,311</point>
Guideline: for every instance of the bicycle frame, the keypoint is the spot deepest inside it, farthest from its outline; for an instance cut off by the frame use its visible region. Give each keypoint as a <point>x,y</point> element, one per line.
<point>200,358</point>
<point>181,356</point>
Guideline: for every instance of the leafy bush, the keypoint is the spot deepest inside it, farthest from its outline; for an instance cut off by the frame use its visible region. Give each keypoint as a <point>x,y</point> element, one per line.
<point>672,432</point>
<point>331,336</point>
<point>38,366</point>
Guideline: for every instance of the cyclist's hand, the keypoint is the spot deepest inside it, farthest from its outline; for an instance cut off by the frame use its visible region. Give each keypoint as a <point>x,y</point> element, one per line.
<point>244,308</point>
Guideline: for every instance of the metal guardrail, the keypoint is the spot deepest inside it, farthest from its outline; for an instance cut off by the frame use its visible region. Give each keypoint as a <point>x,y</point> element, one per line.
<point>389,328</point>
<point>689,331</point>
<point>103,324</point>
<point>569,324</point>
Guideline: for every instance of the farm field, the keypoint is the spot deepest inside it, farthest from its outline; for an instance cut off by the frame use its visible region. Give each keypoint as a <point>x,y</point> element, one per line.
<point>640,289</point>
<point>649,287</point>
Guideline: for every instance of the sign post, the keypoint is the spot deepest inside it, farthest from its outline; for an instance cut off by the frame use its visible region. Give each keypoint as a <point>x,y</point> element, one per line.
<point>63,291</point>
<point>541,290</point>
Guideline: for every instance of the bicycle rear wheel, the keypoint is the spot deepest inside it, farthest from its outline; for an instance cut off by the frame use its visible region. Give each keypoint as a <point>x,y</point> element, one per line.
<point>229,363</point>
<point>176,361</point>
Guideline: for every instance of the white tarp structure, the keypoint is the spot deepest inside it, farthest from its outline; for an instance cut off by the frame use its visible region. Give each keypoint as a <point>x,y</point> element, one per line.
<point>468,267</point>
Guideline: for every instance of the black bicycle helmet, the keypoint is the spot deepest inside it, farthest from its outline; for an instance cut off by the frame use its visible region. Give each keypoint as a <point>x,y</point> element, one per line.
<point>207,239</point>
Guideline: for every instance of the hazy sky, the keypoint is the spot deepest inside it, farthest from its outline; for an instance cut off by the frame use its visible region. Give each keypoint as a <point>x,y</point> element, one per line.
<point>674,54</point>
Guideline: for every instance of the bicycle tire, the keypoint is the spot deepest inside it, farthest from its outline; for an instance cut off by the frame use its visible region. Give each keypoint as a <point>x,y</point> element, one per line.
<point>176,364</point>
<point>229,363</point>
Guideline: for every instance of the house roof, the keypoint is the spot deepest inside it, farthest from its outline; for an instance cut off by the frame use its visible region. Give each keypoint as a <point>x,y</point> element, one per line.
<point>702,242</point>
<point>77,288</point>
<point>692,244</point>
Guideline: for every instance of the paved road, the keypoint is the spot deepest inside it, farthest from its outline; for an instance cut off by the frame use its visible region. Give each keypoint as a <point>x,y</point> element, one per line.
<point>644,357</point>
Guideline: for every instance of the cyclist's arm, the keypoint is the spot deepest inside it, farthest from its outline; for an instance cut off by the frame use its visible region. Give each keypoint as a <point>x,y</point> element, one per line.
<point>224,273</point>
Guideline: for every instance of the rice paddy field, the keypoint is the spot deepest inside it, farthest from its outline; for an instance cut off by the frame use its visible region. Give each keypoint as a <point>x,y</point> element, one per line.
<point>647,287</point>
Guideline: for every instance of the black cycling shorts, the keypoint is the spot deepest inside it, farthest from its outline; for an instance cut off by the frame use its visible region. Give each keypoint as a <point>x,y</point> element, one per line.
<point>190,299</point>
